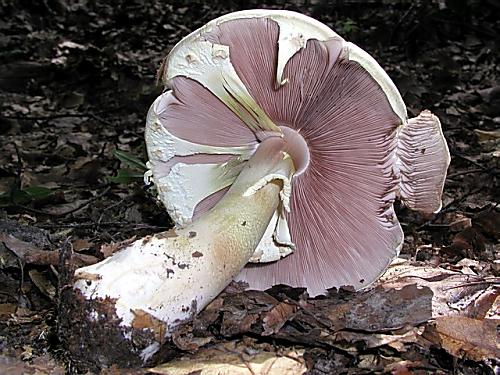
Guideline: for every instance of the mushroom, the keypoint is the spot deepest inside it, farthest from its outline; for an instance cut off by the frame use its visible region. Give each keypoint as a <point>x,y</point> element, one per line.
<point>280,143</point>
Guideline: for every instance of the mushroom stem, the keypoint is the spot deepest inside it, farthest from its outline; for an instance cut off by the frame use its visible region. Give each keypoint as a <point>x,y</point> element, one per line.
<point>160,281</point>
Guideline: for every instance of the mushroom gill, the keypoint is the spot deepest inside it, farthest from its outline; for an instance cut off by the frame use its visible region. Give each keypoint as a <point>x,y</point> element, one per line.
<point>341,118</point>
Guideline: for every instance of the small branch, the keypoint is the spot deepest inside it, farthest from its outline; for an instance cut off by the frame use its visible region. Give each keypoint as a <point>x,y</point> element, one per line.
<point>19,171</point>
<point>488,281</point>
<point>462,198</point>
<point>447,207</point>
<point>463,173</point>
<point>473,162</point>
<point>401,20</point>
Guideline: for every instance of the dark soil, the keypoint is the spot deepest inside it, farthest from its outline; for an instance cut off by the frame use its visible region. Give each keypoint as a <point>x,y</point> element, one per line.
<point>76,80</point>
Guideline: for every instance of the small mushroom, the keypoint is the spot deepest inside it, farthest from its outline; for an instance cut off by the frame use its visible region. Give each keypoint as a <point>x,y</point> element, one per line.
<point>278,143</point>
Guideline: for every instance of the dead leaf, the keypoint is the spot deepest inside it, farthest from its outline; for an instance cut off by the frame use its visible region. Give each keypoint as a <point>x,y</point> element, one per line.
<point>186,341</point>
<point>405,367</point>
<point>385,308</point>
<point>241,311</point>
<point>65,208</point>
<point>485,306</point>
<point>144,320</point>
<point>109,249</point>
<point>43,283</point>
<point>277,317</point>
<point>30,254</point>
<point>375,340</point>
<point>81,244</point>
<point>484,135</point>
<point>460,223</point>
<point>86,169</point>
<point>452,291</point>
<point>469,239</point>
<point>466,337</point>
<point>7,309</point>
<point>220,361</point>
<point>489,221</point>
<point>39,366</point>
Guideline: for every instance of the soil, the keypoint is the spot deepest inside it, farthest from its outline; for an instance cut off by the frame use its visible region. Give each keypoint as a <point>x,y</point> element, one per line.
<point>76,81</point>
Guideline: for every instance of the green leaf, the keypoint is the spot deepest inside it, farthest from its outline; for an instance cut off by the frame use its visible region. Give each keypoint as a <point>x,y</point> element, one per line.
<point>130,160</point>
<point>125,176</point>
<point>345,27</point>
<point>38,192</point>
<point>25,196</point>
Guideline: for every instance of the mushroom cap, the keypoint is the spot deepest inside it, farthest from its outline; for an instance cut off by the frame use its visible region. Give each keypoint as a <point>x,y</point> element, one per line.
<point>255,74</point>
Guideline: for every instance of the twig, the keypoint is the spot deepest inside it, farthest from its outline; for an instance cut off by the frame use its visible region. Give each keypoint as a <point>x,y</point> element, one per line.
<point>400,22</point>
<point>447,207</point>
<point>462,198</point>
<point>109,208</point>
<point>491,281</point>
<point>19,171</point>
<point>471,171</point>
<point>473,162</point>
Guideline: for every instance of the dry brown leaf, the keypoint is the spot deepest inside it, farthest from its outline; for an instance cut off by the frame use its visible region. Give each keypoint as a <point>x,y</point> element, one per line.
<point>375,340</point>
<point>186,341</point>
<point>7,309</point>
<point>489,221</point>
<point>235,362</point>
<point>241,311</point>
<point>109,249</point>
<point>144,320</point>
<point>485,135</point>
<point>405,368</point>
<point>63,209</point>
<point>81,244</point>
<point>469,239</point>
<point>43,283</point>
<point>277,317</point>
<point>381,309</point>
<point>486,305</point>
<point>39,366</point>
<point>466,337</point>
<point>453,292</point>
<point>30,254</point>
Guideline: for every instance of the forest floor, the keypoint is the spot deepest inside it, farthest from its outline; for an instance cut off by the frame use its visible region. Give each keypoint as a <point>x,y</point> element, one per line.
<point>76,80</point>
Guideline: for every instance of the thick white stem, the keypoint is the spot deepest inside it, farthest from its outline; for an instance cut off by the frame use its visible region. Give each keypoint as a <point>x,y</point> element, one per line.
<point>171,276</point>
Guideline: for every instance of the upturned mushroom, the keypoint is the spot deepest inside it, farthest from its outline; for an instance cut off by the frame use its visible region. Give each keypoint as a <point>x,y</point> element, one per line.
<point>277,143</point>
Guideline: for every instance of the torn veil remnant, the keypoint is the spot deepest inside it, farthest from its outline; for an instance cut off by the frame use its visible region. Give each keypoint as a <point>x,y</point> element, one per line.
<point>280,143</point>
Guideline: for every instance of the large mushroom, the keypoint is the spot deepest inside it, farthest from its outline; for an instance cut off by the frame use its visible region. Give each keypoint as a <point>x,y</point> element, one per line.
<point>278,143</point>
